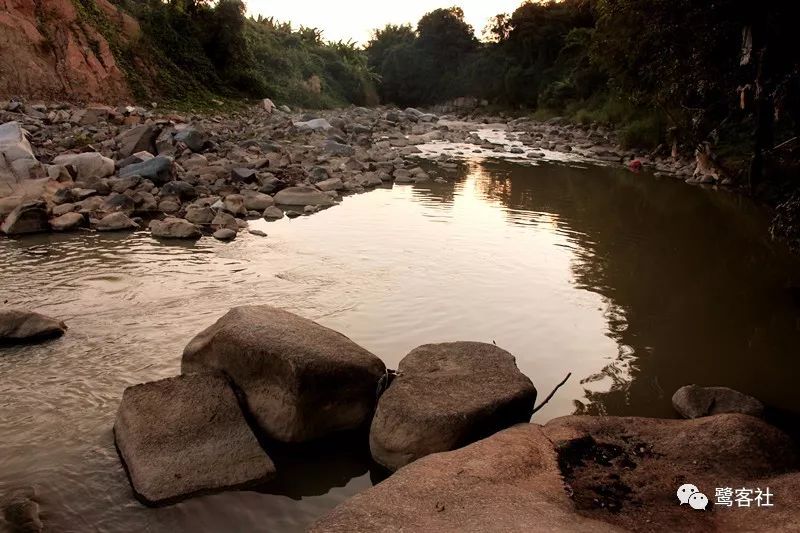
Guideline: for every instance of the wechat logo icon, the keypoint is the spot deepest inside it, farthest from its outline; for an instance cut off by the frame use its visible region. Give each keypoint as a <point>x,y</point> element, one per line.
<point>690,494</point>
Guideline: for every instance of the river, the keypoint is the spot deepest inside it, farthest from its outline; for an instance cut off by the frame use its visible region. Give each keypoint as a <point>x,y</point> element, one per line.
<point>636,285</point>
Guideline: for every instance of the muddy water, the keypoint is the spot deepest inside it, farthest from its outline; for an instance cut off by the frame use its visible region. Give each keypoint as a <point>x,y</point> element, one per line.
<point>634,284</point>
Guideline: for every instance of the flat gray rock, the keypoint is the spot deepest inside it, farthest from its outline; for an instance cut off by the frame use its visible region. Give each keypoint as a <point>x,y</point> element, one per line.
<point>186,436</point>
<point>18,326</point>
<point>693,401</point>
<point>445,397</point>
<point>301,381</point>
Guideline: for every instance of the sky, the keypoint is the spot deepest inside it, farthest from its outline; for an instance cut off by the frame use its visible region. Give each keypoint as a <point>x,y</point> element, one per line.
<point>355,19</point>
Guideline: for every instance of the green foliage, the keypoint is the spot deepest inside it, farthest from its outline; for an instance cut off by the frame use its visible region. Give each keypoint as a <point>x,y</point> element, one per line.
<point>197,52</point>
<point>426,65</point>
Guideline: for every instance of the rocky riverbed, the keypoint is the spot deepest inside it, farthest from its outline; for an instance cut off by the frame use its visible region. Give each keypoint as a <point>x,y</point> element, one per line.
<point>445,422</point>
<point>184,176</point>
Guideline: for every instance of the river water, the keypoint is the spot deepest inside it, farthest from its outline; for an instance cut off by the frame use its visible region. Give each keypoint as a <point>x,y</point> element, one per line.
<point>636,285</point>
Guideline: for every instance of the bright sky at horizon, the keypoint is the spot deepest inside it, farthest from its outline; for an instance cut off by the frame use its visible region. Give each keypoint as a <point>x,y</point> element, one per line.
<point>355,19</point>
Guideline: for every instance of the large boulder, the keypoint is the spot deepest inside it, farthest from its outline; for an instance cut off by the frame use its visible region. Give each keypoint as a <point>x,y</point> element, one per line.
<point>302,196</point>
<point>693,401</point>
<point>174,228</point>
<point>158,170</point>
<point>88,166</point>
<point>185,436</point>
<point>447,396</point>
<point>17,326</point>
<point>586,473</point>
<point>300,380</point>
<point>137,139</point>
<point>27,217</point>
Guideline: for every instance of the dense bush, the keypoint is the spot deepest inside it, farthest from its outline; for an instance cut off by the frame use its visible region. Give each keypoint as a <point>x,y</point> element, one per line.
<point>202,48</point>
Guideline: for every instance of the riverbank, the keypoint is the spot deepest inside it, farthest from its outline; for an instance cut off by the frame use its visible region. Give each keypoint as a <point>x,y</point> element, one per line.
<point>183,176</point>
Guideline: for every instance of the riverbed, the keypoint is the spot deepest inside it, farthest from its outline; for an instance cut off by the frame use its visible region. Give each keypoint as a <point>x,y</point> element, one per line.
<point>636,285</point>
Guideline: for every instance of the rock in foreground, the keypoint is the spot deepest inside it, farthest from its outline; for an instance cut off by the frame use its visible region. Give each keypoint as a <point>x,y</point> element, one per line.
<point>18,326</point>
<point>586,474</point>
<point>508,482</point>
<point>447,396</point>
<point>301,381</point>
<point>693,401</point>
<point>185,436</point>
<point>627,470</point>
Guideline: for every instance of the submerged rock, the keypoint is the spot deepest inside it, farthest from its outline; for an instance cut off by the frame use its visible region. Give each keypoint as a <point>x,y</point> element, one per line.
<point>184,436</point>
<point>17,326</point>
<point>300,380</point>
<point>693,401</point>
<point>447,396</point>
<point>19,512</point>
